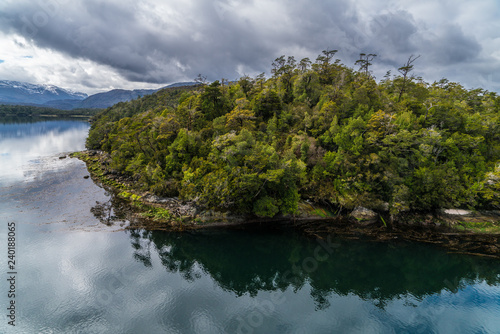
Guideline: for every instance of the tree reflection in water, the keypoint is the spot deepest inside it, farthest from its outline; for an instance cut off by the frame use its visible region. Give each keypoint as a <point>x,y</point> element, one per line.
<point>112,211</point>
<point>250,261</point>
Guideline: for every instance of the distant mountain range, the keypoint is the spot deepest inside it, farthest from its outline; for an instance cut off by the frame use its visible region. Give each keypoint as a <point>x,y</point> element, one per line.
<point>22,93</point>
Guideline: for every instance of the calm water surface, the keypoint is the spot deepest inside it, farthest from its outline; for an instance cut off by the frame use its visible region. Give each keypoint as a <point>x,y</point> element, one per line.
<point>79,271</point>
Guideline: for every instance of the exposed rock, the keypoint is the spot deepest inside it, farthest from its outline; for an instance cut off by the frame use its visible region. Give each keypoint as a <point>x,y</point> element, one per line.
<point>208,214</point>
<point>62,157</point>
<point>151,198</point>
<point>428,220</point>
<point>215,216</point>
<point>173,204</point>
<point>457,212</point>
<point>364,215</point>
<point>185,210</point>
<point>167,201</point>
<point>93,152</point>
<point>86,176</point>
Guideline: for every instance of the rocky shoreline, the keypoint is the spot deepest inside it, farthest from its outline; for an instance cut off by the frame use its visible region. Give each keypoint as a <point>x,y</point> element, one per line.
<point>460,231</point>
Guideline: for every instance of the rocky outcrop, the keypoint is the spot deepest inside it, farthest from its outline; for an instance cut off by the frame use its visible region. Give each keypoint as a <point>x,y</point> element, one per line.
<point>177,207</point>
<point>364,215</point>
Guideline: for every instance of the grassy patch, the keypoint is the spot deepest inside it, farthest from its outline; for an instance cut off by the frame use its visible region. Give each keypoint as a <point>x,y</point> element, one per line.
<point>310,210</point>
<point>129,196</point>
<point>155,213</point>
<point>323,213</point>
<point>478,227</point>
<point>383,221</point>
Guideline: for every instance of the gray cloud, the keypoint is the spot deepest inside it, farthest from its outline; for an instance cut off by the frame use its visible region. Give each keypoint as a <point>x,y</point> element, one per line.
<point>451,46</point>
<point>164,41</point>
<point>394,32</point>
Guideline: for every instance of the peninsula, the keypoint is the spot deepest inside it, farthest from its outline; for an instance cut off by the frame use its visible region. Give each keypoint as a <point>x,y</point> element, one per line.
<point>315,139</point>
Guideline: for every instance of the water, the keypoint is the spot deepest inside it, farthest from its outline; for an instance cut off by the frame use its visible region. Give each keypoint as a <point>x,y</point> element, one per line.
<point>80,272</point>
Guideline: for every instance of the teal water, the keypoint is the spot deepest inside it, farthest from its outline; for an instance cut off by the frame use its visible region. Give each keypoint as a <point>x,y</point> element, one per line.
<point>79,270</point>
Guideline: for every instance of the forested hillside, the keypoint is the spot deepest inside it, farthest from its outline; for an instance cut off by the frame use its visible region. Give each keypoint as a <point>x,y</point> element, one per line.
<point>315,130</point>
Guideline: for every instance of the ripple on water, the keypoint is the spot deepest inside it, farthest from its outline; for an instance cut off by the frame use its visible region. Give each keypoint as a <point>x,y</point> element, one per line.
<point>201,321</point>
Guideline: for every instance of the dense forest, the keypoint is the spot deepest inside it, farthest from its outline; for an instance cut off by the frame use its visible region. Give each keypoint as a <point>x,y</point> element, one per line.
<point>23,111</point>
<point>318,131</point>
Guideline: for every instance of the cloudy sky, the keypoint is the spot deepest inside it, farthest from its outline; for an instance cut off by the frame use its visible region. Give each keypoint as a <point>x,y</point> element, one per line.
<point>97,45</point>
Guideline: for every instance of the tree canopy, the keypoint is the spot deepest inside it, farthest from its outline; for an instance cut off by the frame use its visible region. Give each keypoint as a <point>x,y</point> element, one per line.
<point>319,131</point>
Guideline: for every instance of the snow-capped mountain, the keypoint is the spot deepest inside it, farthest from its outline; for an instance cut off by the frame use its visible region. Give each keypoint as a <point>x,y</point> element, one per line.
<point>27,93</point>
<point>23,93</point>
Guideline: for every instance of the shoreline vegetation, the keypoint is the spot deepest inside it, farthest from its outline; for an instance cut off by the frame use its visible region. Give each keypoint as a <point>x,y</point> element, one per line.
<point>317,142</point>
<point>460,231</point>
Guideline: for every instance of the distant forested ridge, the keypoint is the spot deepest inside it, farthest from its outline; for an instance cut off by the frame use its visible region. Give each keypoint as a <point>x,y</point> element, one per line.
<point>23,110</point>
<point>319,131</point>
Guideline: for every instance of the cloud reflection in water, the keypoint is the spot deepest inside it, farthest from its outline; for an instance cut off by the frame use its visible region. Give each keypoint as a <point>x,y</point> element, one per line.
<point>24,145</point>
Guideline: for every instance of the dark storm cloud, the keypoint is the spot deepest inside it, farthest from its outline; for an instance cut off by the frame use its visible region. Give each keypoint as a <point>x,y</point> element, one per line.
<point>450,46</point>
<point>164,41</point>
<point>105,33</point>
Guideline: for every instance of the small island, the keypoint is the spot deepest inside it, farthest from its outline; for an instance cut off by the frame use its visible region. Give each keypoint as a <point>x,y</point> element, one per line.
<point>316,143</point>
